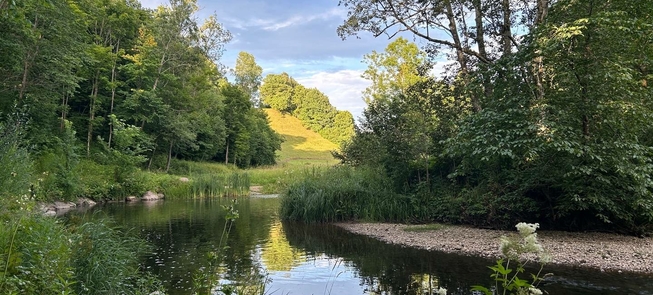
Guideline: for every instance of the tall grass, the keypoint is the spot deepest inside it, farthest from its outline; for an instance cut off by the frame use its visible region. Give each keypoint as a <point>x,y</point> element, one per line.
<point>41,255</point>
<point>106,261</point>
<point>216,185</point>
<point>344,193</point>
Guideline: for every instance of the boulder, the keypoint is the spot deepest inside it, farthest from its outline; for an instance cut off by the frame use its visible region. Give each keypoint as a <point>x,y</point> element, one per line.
<point>48,209</point>
<point>131,199</point>
<point>160,195</point>
<point>184,179</point>
<point>64,205</point>
<point>150,196</point>
<point>85,202</point>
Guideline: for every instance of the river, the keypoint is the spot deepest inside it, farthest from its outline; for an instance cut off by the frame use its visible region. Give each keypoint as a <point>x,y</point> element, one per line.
<point>292,258</point>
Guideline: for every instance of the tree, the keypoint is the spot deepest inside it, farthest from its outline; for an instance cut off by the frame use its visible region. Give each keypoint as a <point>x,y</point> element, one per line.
<point>444,25</point>
<point>277,92</point>
<point>248,76</point>
<point>394,71</point>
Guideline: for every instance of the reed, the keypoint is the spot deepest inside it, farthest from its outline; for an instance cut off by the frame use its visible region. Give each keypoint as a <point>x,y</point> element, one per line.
<point>219,185</point>
<point>344,193</point>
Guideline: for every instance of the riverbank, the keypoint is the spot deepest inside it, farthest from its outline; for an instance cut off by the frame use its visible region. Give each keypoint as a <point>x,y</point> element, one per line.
<point>607,252</point>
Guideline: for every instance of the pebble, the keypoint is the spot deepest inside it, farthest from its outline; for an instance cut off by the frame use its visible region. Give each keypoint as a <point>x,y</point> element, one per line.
<point>603,251</point>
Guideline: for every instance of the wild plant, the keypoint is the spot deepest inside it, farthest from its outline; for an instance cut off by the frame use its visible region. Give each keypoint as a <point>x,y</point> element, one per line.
<point>519,251</point>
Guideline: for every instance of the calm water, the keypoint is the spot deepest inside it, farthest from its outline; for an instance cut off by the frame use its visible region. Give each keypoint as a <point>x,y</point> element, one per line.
<point>317,259</point>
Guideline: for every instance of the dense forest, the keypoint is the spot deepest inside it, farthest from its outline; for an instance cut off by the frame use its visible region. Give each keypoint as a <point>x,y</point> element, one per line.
<point>131,80</point>
<point>543,114</point>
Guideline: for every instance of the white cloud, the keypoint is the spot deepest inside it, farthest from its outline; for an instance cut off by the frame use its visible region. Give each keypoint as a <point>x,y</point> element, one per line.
<point>153,3</point>
<point>343,88</point>
<point>277,24</point>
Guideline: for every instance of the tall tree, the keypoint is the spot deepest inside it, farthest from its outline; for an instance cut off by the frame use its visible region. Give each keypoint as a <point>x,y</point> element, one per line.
<point>393,71</point>
<point>248,76</point>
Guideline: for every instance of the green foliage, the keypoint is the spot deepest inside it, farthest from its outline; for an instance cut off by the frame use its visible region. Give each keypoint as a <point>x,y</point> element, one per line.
<point>248,76</point>
<point>277,92</point>
<point>212,185</point>
<point>343,193</point>
<point>309,105</point>
<point>15,158</point>
<point>35,254</point>
<point>394,71</point>
<point>554,130</point>
<point>41,255</point>
<point>106,261</point>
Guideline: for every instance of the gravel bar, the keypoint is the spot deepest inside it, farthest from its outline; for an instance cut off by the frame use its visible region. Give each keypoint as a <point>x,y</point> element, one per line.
<point>607,252</point>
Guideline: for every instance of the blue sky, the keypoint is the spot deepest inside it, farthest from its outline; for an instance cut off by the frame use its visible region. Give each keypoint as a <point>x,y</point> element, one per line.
<point>298,37</point>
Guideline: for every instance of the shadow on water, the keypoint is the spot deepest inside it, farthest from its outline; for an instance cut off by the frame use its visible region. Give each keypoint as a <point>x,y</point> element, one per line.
<point>318,259</point>
<point>393,269</point>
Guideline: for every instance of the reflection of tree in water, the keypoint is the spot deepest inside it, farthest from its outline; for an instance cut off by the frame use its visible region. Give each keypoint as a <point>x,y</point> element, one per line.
<point>391,269</point>
<point>277,253</point>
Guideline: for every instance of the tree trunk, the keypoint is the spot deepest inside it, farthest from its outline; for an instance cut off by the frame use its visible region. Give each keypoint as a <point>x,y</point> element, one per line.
<point>113,90</point>
<point>64,107</point>
<point>506,30</point>
<point>488,88</point>
<point>169,156</point>
<point>26,65</point>
<point>91,115</point>
<point>226,155</point>
<point>460,54</point>
<point>149,163</point>
<point>542,11</point>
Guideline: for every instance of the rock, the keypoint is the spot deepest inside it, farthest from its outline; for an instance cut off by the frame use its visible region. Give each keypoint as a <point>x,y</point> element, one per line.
<point>131,199</point>
<point>64,205</point>
<point>48,209</point>
<point>50,213</point>
<point>85,202</point>
<point>150,196</point>
<point>161,196</point>
<point>184,179</point>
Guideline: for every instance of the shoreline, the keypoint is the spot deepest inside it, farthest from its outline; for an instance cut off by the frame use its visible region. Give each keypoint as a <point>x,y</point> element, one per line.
<point>601,251</point>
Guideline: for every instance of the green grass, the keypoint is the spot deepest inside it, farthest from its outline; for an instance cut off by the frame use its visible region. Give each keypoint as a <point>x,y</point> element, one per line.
<point>424,227</point>
<point>303,151</point>
<point>344,193</point>
<point>302,147</point>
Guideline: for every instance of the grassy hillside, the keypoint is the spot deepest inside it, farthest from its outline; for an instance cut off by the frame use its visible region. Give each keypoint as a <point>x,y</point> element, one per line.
<point>303,151</point>
<point>302,147</point>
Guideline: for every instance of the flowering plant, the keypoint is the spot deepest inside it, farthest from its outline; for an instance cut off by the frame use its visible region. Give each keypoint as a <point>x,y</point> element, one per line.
<point>522,249</point>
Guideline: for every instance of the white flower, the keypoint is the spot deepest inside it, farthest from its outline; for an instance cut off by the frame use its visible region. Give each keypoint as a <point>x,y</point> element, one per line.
<point>504,245</point>
<point>526,229</point>
<point>534,291</point>
<point>532,245</point>
<point>443,291</point>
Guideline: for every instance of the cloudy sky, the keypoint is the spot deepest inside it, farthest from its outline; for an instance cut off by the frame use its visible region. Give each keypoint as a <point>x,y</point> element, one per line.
<point>298,37</point>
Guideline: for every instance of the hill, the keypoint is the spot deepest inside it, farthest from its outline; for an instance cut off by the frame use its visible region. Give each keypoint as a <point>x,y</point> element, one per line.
<point>301,146</point>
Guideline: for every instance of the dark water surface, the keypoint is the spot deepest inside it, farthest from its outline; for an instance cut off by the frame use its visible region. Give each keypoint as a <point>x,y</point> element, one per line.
<point>317,259</point>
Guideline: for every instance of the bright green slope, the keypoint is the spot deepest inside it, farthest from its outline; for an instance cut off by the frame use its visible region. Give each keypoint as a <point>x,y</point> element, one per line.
<point>302,151</point>
<point>301,146</point>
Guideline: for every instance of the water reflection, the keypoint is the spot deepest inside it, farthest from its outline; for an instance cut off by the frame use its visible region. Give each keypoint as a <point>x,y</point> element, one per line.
<point>277,254</point>
<point>294,258</point>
